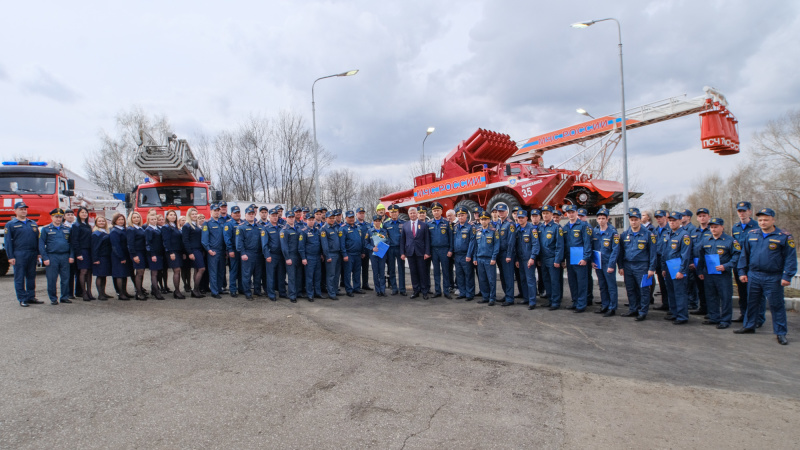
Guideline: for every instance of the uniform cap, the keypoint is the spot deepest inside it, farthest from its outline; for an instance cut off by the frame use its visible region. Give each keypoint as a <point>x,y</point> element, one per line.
<point>567,208</point>
<point>297,209</point>
<point>535,212</point>
<point>249,210</point>
<point>522,213</point>
<point>380,207</point>
<point>20,205</point>
<point>716,221</point>
<point>221,204</point>
<point>289,213</point>
<point>214,206</point>
<point>337,212</point>
<point>687,212</point>
<point>329,214</point>
<point>676,215</point>
<point>436,205</point>
<point>69,211</point>
<point>743,206</point>
<point>349,214</point>
<point>702,210</point>
<point>309,217</point>
<point>263,208</point>
<point>422,209</point>
<point>235,209</point>
<point>765,212</point>
<point>603,212</point>
<point>57,212</point>
<point>515,209</point>
<point>547,208</point>
<point>377,218</point>
<point>279,208</point>
<point>477,209</point>
<point>501,207</point>
<point>462,210</point>
<point>322,209</point>
<point>661,213</point>
<point>557,212</point>
<point>635,213</point>
<point>360,209</point>
<point>582,212</point>
<point>305,209</point>
<point>393,208</point>
<point>484,215</point>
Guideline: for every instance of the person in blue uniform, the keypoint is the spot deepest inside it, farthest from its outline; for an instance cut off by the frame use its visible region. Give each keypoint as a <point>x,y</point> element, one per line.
<point>311,256</point>
<point>56,251</point>
<point>173,250</point>
<point>442,250</point>
<point>679,253</point>
<point>248,243</point>
<point>605,240</point>
<point>275,265</point>
<point>583,216</point>
<point>376,233</point>
<point>700,232</point>
<point>331,251</point>
<point>577,235</point>
<point>637,260</point>
<point>352,245</point>
<point>395,266</point>
<point>661,230</point>
<point>718,285</point>
<point>75,287</point>
<point>137,249</point>
<point>527,253</point>
<point>551,248</point>
<point>557,217</point>
<point>262,221</point>
<point>365,225</point>
<point>291,238</point>
<point>234,257</point>
<point>81,242</point>
<point>120,258</point>
<point>536,223</point>
<point>691,284</point>
<point>739,234</point>
<point>213,241</point>
<point>767,263</point>
<point>506,228</point>
<point>192,235</point>
<point>154,245</point>
<point>22,249</point>
<point>101,256</point>
<point>463,250</point>
<point>487,249</point>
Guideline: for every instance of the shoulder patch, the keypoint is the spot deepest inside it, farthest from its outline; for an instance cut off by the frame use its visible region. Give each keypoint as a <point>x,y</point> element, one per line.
<point>739,247</point>
<point>512,228</point>
<point>653,238</point>
<point>226,228</point>
<point>560,231</point>
<point>322,234</point>
<point>791,242</point>
<point>205,227</point>
<point>300,238</point>
<point>687,240</point>
<point>588,231</point>
<point>281,234</point>
<point>237,231</point>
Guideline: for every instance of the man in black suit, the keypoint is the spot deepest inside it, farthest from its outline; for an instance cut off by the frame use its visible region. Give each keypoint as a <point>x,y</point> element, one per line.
<point>415,247</point>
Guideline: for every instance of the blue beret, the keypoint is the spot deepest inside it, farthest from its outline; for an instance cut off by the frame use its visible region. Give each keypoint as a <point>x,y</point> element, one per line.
<point>765,212</point>
<point>743,206</point>
<point>716,221</point>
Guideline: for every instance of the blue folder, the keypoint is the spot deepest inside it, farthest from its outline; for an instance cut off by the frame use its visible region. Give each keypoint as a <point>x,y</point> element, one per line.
<point>382,247</point>
<point>597,259</point>
<point>696,262</point>
<point>673,266</point>
<point>646,281</point>
<point>712,261</point>
<point>575,255</point>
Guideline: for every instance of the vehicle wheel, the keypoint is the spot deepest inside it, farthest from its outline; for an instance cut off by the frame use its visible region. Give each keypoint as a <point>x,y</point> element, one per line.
<point>503,197</point>
<point>582,198</point>
<point>403,216</point>
<point>4,265</point>
<point>467,203</point>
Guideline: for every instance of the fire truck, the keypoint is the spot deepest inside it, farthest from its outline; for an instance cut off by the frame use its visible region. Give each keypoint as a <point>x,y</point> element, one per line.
<point>44,187</point>
<point>173,179</point>
<point>489,168</point>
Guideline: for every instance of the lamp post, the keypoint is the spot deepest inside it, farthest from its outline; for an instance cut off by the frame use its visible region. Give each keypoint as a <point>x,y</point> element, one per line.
<point>583,112</point>
<point>624,134</point>
<point>316,144</point>
<point>427,133</point>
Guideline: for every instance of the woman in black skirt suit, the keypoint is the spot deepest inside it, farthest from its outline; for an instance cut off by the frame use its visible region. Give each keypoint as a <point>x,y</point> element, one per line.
<point>173,250</point>
<point>81,241</point>
<point>192,234</point>
<point>120,258</point>
<point>137,249</point>
<point>163,286</point>
<point>101,255</point>
<point>155,254</point>
<point>186,270</point>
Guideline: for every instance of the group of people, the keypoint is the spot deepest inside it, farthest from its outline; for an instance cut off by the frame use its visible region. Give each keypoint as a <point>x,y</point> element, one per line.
<point>299,253</point>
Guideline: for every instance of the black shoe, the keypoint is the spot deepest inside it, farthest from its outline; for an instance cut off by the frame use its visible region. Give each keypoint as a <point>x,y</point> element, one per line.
<point>350,294</point>
<point>469,299</point>
<point>367,288</point>
<point>518,296</point>
<point>379,294</point>
<point>698,312</point>
<point>571,307</point>
<point>317,296</point>
<point>629,314</point>
<point>553,308</point>
<point>437,295</point>
<point>482,301</point>
<point>414,295</point>
<point>578,311</point>
<point>71,297</point>
<point>124,299</point>
<point>602,311</point>
<point>394,293</point>
<point>142,297</point>
<point>722,326</point>
<point>403,294</point>
<point>610,313</point>
<point>522,302</point>
<point>739,319</point>
<point>491,303</point>
<point>178,295</point>
<point>273,299</point>
<point>66,301</point>
<point>506,303</point>
<point>544,295</point>
<point>424,296</point>
<point>234,295</point>
<point>195,294</point>
<point>545,304</point>
<point>669,317</point>
<point>627,304</point>
<point>745,331</point>
<point>782,340</point>
<point>53,303</point>
<point>531,307</point>
<point>336,299</point>
<point>246,297</point>
<point>35,301</point>
<point>294,300</point>
<point>710,322</point>
<point>216,296</point>
<point>448,296</point>
<point>759,325</point>
<point>359,291</point>
<point>461,296</point>
<point>641,317</point>
<point>680,322</point>
<point>661,308</point>
<point>24,304</point>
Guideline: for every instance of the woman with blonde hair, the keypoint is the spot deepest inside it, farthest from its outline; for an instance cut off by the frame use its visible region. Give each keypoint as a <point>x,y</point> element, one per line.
<point>173,250</point>
<point>192,234</point>
<point>120,258</point>
<point>137,248</point>
<point>101,255</point>
<point>155,253</point>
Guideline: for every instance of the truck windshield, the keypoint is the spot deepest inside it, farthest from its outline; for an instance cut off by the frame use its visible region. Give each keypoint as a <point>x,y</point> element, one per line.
<point>27,184</point>
<point>173,196</point>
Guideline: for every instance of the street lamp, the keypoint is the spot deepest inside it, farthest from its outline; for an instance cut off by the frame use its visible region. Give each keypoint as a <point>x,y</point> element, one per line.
<point>427,133</point>
<point>583,112</point>
<point>587,24</point>
<point>314,119</point>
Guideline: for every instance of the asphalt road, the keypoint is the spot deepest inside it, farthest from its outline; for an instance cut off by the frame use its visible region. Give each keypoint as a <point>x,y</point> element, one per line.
<point>383,373</point>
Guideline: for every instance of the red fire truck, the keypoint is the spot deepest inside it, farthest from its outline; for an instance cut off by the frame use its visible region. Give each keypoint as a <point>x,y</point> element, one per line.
<point>173,179</point>
<point>44,187</point>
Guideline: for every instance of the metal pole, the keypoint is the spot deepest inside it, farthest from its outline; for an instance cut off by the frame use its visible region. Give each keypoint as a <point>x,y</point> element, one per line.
<point>316,148</point>
<point>423,151</point>
<point>624,132</point>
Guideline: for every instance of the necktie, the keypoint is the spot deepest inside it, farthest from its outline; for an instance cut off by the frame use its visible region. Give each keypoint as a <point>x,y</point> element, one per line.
<point>414,228</point>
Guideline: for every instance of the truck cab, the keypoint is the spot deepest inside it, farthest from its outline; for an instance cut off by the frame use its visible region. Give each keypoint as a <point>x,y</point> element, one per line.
<point>173,195</point>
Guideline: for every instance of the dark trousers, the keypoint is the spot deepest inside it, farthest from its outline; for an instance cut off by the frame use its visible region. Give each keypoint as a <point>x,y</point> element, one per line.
<point>378,273</point>
<point>506,277</point>
<point>719,297</point>
<point>576,276</point>
<point>236,273</point>
<point>608,288</point>
<point>662,286</point>
<point>58,268</point>
<point>465,276</point>
<point>420,277</point>
<point>540,279</point>
<point>352,273</point>
<point>527,277</point>
<point>638,296</point>
<point>331,273</point>
<point>216,271</point>
<point>396,268</point>
<point>365,269</point>
<point>552,284</point>
<point>313,275</point>
<point>765,285</point>
<point>441,270</point>
<point>678,297</point>
<point>294,274</point>
<point>25,275</point>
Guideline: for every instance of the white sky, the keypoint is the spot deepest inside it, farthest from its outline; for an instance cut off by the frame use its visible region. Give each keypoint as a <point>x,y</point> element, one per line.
<point>516,67</point>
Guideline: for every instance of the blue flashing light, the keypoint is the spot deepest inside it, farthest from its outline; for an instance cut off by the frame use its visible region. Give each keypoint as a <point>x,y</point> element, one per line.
<point>202,179</point>
<point>146,179</point>
<point>485,166</point>
<point>10,163</point>
<point>38,163</point>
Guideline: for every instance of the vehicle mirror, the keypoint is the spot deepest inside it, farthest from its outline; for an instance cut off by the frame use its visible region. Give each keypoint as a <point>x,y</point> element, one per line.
<point>508,170</point>
<point>70,184</point>
<point>68,192</point>
<point>217,196</point>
